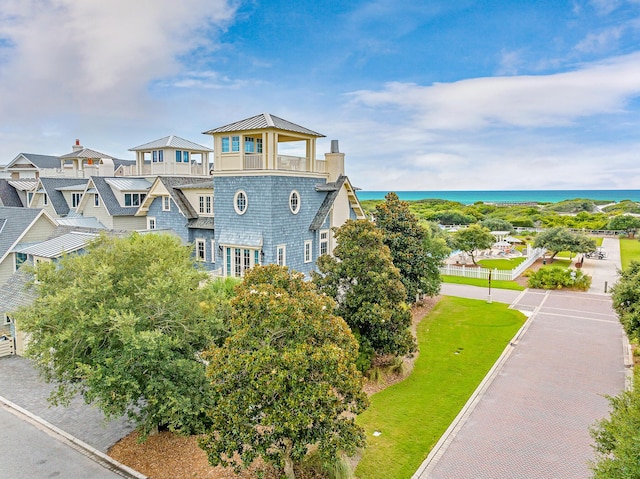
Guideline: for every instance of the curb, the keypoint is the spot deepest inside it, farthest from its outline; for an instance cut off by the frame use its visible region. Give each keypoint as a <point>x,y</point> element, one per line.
<point>75,443</point>
<point>449,435</point>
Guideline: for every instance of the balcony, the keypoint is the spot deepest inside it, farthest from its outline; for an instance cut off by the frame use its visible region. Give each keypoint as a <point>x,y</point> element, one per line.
<point>284,163</point>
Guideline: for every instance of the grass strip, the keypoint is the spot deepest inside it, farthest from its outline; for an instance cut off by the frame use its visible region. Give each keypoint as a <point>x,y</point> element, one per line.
<point>498,284</point>
<point>459,342</point>
<point>502,264</point>
<point>629,251</point>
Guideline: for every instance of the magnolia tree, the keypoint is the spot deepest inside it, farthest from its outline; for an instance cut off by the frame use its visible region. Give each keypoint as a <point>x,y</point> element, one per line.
<point>412,247</point>
<point>123,325</point>
<point>368,291</point>
<point>285,379</point>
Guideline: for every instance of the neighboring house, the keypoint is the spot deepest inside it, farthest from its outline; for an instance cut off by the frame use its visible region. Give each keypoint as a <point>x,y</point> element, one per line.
<point>170,155</point>
<point>30,165</point>
<point>58,196</point>
<point>114,201</point>
<point>84,162</point>
<point>19,226</point>
<point>16,293</point>
<point>272,207</point>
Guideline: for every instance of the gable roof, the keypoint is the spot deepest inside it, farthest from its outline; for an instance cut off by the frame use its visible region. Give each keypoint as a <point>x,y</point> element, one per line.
<point>38,161</point>
<point>53,188</point>
<point>18,291</point>
<point>14,223</point>
<point>8,194</point>
<point>263,121</point>
<point>171,141</point>
<point>174,186</point>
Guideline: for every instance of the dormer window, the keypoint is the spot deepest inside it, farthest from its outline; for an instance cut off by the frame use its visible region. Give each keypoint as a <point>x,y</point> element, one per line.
<point>134,199</point>
<point>75,199</point>
<point>45,199</point>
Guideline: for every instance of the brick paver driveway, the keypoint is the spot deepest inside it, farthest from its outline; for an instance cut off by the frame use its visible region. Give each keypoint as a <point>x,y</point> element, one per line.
<point>533,419</point>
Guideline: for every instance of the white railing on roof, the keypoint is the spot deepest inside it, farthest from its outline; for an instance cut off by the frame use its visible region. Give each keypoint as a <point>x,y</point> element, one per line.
<point>496,274</point>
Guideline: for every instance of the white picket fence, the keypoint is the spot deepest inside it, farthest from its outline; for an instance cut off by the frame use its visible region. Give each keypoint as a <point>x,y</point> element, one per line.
<point>497,274</point>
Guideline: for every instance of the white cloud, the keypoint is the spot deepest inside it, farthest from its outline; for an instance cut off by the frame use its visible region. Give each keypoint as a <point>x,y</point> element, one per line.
<point>602,41</point>
<point>78,55</point>
<point>519,101</point>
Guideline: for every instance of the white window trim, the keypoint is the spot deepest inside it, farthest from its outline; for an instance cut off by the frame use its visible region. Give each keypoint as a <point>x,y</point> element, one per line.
<point>297,209</point>
<point>155,223</point>
<point>202,242</point>
<point>283,248</point>
<point>327,241</point>
<point>308,247</point>
<point>235,202</point>
<point>166,203</point>
<point>213,251</point>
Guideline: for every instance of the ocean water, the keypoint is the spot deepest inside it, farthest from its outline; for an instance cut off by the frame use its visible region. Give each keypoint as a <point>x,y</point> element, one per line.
<point>539,196</point>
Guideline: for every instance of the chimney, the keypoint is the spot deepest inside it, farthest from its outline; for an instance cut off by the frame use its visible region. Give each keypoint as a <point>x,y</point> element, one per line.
<point>335,161</point>
<point>77,146</point>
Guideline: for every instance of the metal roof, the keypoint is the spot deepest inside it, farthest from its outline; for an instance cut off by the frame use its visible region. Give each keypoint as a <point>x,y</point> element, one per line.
<point>79,187</point>
<point>202,223</point>
<point>262,122</point>
<point>233,238</point>
<point>81,222</point>
<point>56,247</point>
<point>85,153</point>
<point>129,184</point>
<point>171,141</point>
<point>196,186</point>
<point>23,185</point>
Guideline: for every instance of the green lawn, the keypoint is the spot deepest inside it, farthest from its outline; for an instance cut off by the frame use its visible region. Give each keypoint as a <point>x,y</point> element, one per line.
<point>459,342</point>
<point>502,264</point>
<point>557,263</point>
<point>482,282</point>
<point>629,251</point>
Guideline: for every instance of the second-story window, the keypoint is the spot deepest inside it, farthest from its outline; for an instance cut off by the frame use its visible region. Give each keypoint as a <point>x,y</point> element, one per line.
<point>45,199</point>
<point>75,199</point>
<point>133,199</point>
<point>166,203</point>
<point>205,204</point>
<point>96,200</point>
<point>240,202</point>
<point>249,144</point>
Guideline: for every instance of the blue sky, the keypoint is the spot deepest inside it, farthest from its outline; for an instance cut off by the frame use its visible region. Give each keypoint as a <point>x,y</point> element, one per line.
<point>423,95</point>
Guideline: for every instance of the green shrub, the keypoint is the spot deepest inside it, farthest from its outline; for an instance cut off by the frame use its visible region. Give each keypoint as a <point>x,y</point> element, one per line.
<point>559,278</point>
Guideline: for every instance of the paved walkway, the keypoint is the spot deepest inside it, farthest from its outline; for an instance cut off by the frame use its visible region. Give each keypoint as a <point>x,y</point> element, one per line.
<point>531,418</point>
<point>31,449</point>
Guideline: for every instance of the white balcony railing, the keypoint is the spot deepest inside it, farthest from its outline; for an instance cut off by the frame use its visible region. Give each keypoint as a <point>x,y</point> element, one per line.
<point>252,162</point>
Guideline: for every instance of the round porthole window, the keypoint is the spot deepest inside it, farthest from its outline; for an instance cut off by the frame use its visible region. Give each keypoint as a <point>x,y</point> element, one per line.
<point>240,202</point>
<point>294,202</point>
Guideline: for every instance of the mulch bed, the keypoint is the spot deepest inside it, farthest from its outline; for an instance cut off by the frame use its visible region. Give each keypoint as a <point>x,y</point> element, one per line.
<point>169,456</point>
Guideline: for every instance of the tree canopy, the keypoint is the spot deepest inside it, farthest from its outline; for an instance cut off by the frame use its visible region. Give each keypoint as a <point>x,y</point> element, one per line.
<point>629,224</point>
<point>561,239</point>
<point>626,299</point>
<point>409,244</point>
<point>285,378</point>
<point>473,238</point>
<point>123,325</point>
<point>368,291</point>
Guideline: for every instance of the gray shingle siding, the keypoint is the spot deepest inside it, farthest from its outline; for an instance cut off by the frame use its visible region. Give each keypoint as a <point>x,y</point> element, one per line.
<point>268,213</point>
